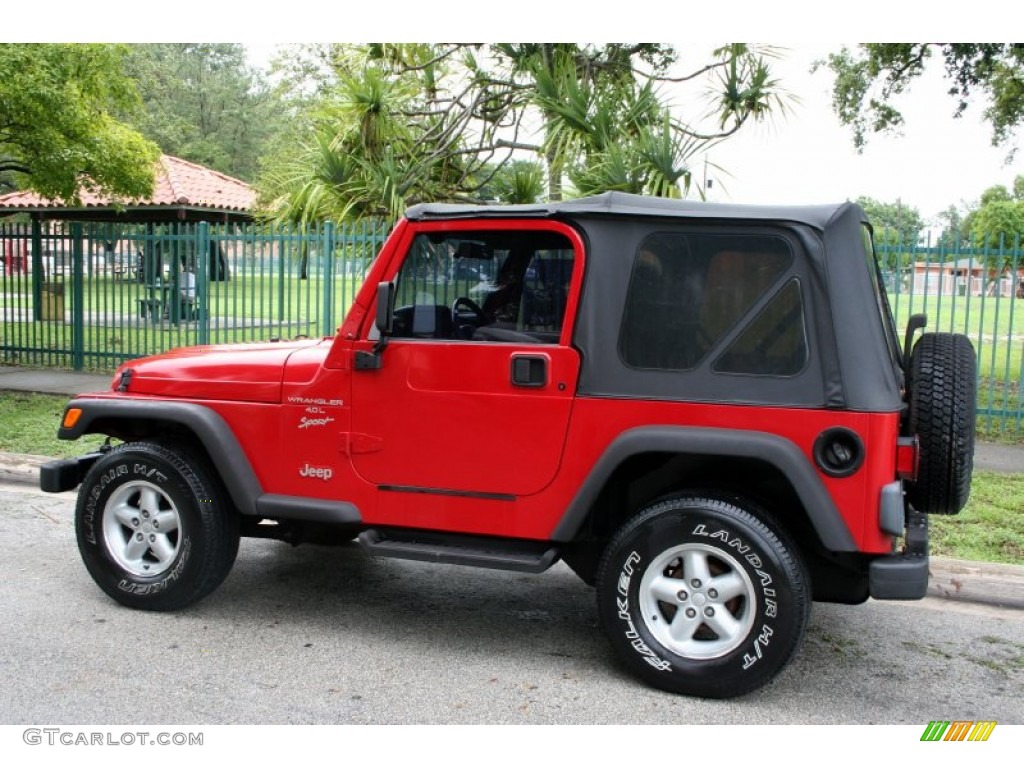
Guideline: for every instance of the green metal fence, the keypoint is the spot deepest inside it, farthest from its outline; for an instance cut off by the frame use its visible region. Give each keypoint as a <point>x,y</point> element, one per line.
<point>978,292</point>
<point>90,296</point>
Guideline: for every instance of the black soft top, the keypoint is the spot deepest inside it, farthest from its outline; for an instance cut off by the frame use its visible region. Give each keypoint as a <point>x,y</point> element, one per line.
<point>622,204</point>
<point>854,363</point>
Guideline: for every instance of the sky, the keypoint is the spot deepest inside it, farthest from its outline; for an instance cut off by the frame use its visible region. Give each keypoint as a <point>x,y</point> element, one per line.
<point>808,157</point>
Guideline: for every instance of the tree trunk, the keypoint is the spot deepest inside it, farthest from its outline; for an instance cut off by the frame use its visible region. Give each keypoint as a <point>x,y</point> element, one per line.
<point>554,176</point>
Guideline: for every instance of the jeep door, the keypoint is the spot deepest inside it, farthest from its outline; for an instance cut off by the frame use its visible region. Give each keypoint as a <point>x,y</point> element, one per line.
<point>475,387</point>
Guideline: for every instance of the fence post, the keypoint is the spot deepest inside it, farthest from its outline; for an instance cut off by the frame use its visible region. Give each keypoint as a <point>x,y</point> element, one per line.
<point>327,253</point>
<point>205,268</point>
<point>282,256</point>
<point>37,269</point>
<point>77,299</point>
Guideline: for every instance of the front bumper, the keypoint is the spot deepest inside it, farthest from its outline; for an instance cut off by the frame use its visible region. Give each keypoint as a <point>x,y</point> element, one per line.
<point>65,474</point>
<point>903,576</point>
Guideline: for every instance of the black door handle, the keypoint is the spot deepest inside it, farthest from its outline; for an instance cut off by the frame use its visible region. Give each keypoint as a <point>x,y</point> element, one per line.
<point>529,370</point>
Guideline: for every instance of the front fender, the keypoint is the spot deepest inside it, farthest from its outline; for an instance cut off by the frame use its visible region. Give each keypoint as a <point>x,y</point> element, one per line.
<point>128,419</point>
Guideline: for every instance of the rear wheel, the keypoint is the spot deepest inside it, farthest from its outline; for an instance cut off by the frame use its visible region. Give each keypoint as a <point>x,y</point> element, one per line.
<point>942,396</point>
<point>155,529</point>
<point>702,596</point>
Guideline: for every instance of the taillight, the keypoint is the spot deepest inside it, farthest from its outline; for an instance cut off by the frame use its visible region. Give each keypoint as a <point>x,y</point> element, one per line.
<point>907,456</point>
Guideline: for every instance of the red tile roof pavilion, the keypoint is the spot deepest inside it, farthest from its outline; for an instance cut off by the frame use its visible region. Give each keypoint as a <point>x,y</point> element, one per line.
<point>182,191</point>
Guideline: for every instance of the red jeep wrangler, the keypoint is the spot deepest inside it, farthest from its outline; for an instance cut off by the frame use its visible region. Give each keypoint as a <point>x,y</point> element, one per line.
<point>704,410</point>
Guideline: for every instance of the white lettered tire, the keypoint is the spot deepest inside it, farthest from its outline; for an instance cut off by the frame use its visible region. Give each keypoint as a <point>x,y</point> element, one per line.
<point>703,596</point>
<point>154,527</point>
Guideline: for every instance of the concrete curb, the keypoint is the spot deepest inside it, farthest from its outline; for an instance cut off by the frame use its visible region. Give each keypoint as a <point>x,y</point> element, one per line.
<point>21,468</point>
<point>992,584</point>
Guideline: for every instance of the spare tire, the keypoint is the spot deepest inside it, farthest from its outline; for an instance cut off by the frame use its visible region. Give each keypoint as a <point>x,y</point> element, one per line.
<point>941,390</point>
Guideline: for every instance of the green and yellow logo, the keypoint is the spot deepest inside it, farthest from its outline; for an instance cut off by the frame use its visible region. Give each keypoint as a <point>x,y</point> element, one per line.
<point>958,730</point>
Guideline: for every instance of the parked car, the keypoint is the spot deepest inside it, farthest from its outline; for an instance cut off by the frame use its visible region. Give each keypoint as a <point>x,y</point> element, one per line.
<point>704,410</point>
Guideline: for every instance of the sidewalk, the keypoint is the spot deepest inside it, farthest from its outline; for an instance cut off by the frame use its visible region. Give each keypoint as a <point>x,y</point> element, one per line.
<point>52,382</point>
<point>961,580</point>
<point>993,457</point>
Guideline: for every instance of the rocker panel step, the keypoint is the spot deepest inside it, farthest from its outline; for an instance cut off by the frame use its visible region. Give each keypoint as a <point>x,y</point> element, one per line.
<point>455,549</point>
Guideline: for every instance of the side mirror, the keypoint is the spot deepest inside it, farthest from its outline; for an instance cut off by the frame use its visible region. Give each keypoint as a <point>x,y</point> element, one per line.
<point>385,320</point>
<point>385,308</point>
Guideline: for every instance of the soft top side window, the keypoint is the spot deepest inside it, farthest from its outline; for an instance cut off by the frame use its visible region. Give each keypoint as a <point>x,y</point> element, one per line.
<point>892,338</point>
<point>774,342</point>
<point>688,291</point>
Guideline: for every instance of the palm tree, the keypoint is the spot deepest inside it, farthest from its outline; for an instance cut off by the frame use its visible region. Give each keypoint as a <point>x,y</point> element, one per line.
<point>606,125</point>
<point>516,182</point>
<point>407,123</point>
<point>359,159</point>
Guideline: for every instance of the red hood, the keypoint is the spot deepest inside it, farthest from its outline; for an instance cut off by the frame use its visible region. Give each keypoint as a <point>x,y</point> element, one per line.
<point>248,372</point>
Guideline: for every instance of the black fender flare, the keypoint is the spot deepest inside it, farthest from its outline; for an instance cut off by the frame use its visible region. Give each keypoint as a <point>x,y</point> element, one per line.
<point>206,424</point>
<point>777,451</point>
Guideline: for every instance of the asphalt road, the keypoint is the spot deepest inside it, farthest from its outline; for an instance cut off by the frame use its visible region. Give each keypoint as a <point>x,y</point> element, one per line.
<point>318,635</point>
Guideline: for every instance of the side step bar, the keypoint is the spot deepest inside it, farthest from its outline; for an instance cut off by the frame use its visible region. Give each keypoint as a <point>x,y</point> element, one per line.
<point>478,551</point>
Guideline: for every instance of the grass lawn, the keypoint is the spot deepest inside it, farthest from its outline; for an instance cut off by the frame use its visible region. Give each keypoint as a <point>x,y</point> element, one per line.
<point>990,529</point>
<point>30,424</point>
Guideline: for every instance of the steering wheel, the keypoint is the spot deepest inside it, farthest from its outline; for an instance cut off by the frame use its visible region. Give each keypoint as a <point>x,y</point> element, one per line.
<point>472,306</point>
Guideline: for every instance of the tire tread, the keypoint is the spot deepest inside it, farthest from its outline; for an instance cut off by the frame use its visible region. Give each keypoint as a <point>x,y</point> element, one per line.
<point>942,386</point>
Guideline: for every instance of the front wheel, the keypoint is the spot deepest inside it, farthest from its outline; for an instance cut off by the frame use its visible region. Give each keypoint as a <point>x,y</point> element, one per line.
<point>155,529</point>
<point>703,597</point>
